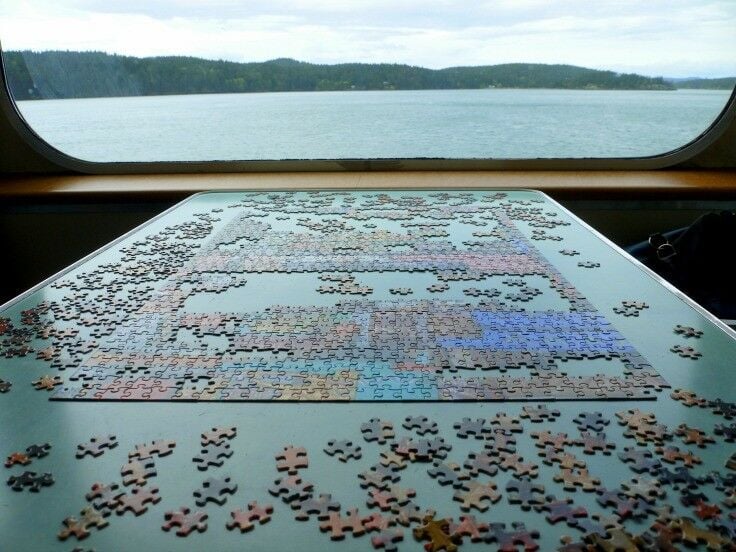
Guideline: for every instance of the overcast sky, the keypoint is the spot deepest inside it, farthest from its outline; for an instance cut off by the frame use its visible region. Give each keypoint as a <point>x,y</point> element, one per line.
<point>674,38</point>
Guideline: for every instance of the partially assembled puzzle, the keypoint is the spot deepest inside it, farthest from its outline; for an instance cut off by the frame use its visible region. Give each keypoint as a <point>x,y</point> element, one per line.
<point>334,296</point>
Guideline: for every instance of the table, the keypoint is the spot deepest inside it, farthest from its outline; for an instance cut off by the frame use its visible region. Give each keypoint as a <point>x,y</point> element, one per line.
<point>479,354</point>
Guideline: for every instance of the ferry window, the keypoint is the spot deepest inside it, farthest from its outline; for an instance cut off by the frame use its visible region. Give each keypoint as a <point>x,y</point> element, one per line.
<point>176,80</point>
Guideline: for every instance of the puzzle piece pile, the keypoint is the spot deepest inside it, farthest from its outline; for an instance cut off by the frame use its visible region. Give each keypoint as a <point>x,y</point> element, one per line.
<point>672,497</point>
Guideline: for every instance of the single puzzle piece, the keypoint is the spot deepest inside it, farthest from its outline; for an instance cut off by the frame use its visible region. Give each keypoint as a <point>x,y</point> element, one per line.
<point>693,436</point>
<point>38,450</point>
<point>437,532</point>
<point>377,430</point>
<point>507,541</point>
<point>687,331</point>
<point>524,493</point>
<point>516,464</point>
<point>137,472</point>
<point>338,525</point>
<point>217,435</point>
<point>448,474</point>
<point>672,455</point>
<point>19,458</point>
<point>212,455</point>
<point>593,442</point>
<point>477,495</point>
<point>546,439</point>
<point>157,448</point>
<point>707,511</point>
<point>648,490</point>
<point>345,450</point>
<point>422,424</point>
<point>571,479</point>
<point>422,450</point>
<point>30,479</point>
<point>387,536</point>
<point>291,488</point>
<point>728,432</point>
<point>47,382</point>
<point>243,519</point>
<point>594,421</point>
<point>393,460</point>
<point>104,498</point>
<point>686,352</point>
<point>551,455</point>
<point>80,527</point>
<point>681,477</point>
<point>617,540</point>
<point>410,513</point>
<point>320,507</point>
<point>185,521</point>
<point>503,422</point>
<point>640,460</point>
<point>468,427</point>
<point>635,418</point>
<point>538,414</point>
<point>391,497</point>
<point>138,500</point>
<point>694,535</point>
<point>378,476</point>
<point>292,459</point>
<point>215,489</point>
<point>97,446</point>
<point>723,408</point>
<point>480,462</point>
<point>559,510</point>
<point>500,442</point>
<point>468,527</point>
<point>688,398</point>
<point>625,506</point>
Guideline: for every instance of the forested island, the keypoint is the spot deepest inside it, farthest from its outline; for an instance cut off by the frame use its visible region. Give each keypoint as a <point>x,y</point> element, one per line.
<point>66,74</point>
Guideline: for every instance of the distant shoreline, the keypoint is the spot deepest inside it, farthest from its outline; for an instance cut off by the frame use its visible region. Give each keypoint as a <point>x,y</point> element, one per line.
<point>359,91</point>
<point>65,74</point>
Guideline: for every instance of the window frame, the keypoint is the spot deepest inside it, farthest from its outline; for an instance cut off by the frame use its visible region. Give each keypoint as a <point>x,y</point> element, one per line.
<point>67,162</point>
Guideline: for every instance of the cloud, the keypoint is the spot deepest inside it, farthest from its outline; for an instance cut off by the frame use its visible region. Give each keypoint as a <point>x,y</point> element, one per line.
<point>673,37</point>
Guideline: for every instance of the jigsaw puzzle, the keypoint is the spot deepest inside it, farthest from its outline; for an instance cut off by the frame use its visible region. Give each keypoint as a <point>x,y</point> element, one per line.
<point>332,296</point>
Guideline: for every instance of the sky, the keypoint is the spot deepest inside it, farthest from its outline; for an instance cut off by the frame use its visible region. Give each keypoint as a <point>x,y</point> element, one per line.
<point>672,38</point>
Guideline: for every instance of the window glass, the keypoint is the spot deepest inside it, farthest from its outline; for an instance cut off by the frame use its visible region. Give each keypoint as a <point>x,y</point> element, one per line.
<point>171,80</point>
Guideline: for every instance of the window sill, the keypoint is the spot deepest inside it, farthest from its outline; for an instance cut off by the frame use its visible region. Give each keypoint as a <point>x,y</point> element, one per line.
<point>561,184</point>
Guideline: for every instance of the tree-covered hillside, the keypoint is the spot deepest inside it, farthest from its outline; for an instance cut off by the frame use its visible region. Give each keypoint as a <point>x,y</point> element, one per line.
<point>56,74</point>
<point>726,83</point>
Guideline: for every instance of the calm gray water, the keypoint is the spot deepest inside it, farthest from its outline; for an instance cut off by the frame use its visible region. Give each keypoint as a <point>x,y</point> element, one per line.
<point>381,124</point>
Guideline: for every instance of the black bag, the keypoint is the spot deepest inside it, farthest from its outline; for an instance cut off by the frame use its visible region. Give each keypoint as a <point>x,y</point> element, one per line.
<point>698,260</point>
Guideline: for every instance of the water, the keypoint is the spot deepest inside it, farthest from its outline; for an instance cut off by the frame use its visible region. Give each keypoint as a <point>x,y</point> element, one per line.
<point>380,124</point>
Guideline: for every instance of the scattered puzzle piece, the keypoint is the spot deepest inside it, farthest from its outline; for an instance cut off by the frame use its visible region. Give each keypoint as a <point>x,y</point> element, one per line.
<point>96,446</point>
<point>186,521</point>
<point>155,448</point>
<point>30,479</point>
<point>138,500</point>
<point>477,495</point>
<point>437,532</point>
<point>292,459</point>
<point>217,435</point>
<point>345,450</point>
<point>243,519</point>
<point>80,527</point>
<point>377,430</point>
<point>215,489</point>
<point>137,472</point>
<point>338,525</point>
